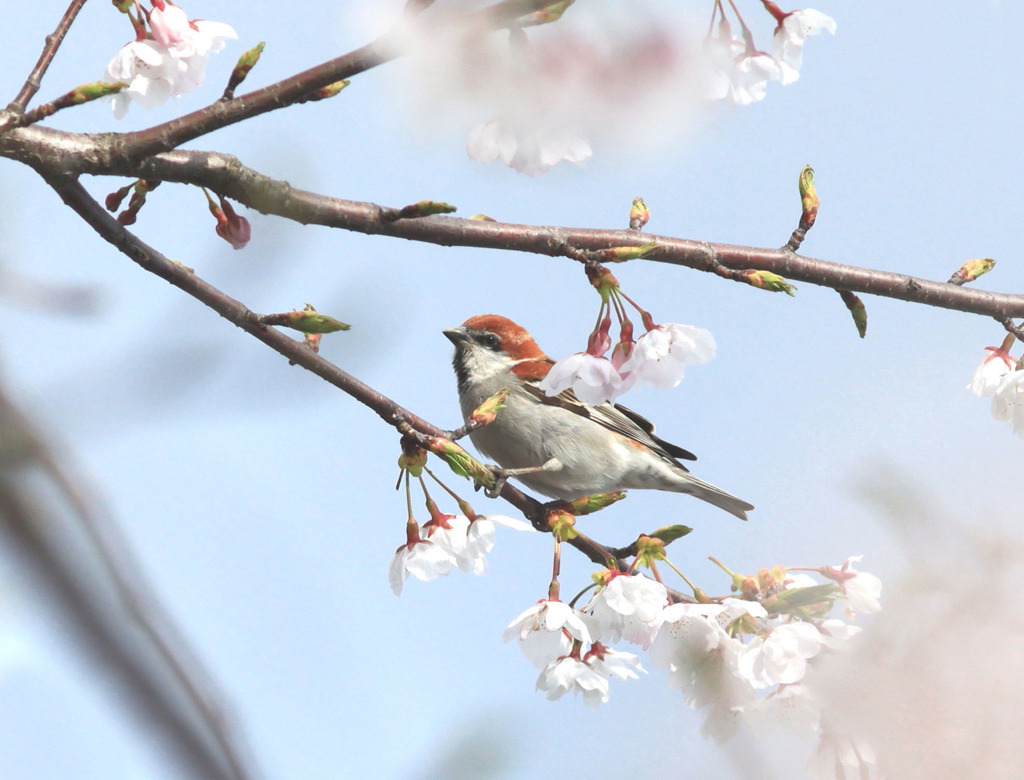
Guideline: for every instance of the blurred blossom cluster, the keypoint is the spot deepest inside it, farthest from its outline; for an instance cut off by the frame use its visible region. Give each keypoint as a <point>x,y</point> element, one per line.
<point>538,92</point>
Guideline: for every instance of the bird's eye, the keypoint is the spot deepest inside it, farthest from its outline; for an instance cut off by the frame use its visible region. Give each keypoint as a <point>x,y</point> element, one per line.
<point>491,341</point>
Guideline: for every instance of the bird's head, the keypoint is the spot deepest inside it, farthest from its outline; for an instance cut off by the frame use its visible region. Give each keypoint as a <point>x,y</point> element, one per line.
<point>489,345</point>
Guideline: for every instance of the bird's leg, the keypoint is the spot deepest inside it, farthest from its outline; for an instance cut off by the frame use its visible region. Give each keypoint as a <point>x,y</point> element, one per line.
<point>501,475</point>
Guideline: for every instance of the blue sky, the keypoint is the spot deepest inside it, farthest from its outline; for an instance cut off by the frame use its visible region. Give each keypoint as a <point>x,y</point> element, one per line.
<point>260,500</point>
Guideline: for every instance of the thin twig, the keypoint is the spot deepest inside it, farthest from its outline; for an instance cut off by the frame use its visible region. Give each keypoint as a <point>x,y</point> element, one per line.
<point>53,42</point>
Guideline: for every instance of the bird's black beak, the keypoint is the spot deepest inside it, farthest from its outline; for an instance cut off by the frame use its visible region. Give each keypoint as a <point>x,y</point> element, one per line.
<point>456,336</point>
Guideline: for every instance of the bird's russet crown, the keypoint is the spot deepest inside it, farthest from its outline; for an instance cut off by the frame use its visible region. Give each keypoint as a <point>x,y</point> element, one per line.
<point>516,342</point>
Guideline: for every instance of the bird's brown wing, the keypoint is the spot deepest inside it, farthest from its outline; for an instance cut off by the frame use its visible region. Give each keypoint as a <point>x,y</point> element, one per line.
<point>617,418</point>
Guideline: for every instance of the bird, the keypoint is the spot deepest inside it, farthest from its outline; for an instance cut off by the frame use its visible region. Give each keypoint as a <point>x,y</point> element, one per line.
<point>560,446</point>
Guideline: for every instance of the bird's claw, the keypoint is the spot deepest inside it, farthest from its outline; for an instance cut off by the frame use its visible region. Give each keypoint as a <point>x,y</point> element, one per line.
<point>500,478</point>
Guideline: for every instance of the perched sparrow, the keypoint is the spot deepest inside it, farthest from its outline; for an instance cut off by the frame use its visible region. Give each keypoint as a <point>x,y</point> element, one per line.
<point>559,446</point>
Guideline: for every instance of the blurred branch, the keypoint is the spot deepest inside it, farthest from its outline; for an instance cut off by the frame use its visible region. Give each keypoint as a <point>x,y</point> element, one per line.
<point>213,749</point>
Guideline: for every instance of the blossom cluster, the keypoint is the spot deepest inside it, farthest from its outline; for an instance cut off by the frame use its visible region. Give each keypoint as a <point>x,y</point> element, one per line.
<point>740,73</point>
<point>447,542</point>
<point>658,357</point>
<point>741,659</point>
<point>167,58</point>
<point>1001,377</point>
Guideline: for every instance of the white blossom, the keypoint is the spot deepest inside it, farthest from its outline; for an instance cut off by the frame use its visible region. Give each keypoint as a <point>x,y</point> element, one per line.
<point>660,355</point>
<point>863,590</point>
<point>990,372</point>
<point>750,76</point>
<point>790,36</point>
<point>629,607</point>
<point>835,632</point>
<point>780,656</point>
<point>838,758</point>
<point>614,663</point>
<point>480,541</point>
<point>424,560</point>
<point>172,63</point>
<point>571,674</point>
<point>593,379</point>
<point>792,707</point>
<point>529,149</point>
<point>1008,401</point>
<point>449,533</point>
<point>702,662</point>
<point>546,631</point>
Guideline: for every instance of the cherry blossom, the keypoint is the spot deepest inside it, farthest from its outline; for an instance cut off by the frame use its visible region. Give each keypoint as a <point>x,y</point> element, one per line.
<point>525,148</point>
<point>780,656</point>
<point>750,76</point>
<point>838,757</point>
<point>593,379</point>
<point>169,25</point>
<point>793,707</point>
<point>151,74</point>
<point>480,541</point>
<point>448,532</point>
<point>660,355</point>
<point>231,227</point>
<point>424,560</point>
<point>1008,401</point>
<point>571,674</point>
<point>990,372</point>
<point>546,631</point>
<point>172,63</point>
<point>862,590</point>
<point>627,607</point>
<point>792,32</point>
<point>614,663</point>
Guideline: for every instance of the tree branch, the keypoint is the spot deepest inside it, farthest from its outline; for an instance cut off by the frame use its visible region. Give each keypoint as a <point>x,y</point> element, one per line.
<point>54,153</point>
<point>35,78</point>
<point>226,175</point>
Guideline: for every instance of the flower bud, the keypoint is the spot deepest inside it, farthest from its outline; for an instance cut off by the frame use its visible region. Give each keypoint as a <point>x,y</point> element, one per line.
<point>424,208</point>
<point>309,320</point>
<point>485,413</point>
<point>971,270</point>
<point>595,502</point>
<point>639,215</point>
<point>620,254</point>
<point>562,524</point>
<point>766,280</point>
<point>808,198</point>
<point>242,67</point>
<point>857,310</point>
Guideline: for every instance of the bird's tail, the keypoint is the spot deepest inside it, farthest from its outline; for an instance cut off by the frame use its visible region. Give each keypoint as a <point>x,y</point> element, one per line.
<point>705,491</point>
